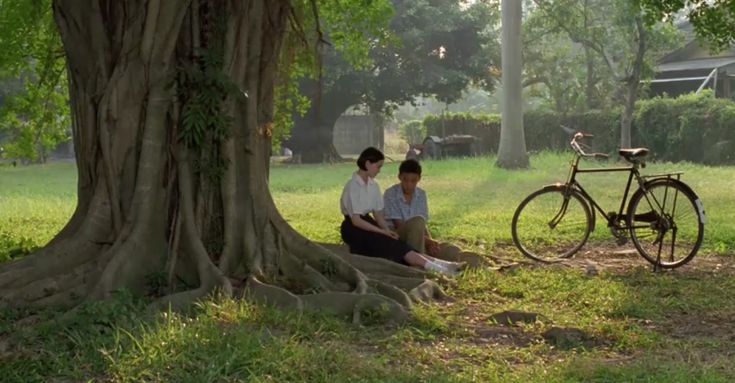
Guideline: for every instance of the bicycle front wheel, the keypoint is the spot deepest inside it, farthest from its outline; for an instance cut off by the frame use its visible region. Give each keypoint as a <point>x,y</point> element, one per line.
<point>666,222</point>
<point>551,223</point>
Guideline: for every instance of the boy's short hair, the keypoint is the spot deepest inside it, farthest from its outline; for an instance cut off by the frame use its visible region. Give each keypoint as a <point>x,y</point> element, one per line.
<point>410,166</point>
<point>370,154</point>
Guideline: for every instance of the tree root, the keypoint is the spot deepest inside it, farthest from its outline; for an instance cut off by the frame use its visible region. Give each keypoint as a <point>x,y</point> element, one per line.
<point>263,293</point>
<point>361,307</point>
<point>358,307</point>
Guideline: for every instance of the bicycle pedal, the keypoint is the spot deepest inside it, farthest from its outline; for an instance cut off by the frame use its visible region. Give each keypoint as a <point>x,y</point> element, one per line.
<point>621,241</point>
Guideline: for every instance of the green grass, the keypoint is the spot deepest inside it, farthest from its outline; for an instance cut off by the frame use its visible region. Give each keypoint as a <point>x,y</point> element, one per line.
<point>472,201</point>
<point>35,203</point>
<point>642,327</point>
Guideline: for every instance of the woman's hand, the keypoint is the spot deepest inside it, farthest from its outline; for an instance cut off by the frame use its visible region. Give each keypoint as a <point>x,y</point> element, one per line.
<point>391,234</point>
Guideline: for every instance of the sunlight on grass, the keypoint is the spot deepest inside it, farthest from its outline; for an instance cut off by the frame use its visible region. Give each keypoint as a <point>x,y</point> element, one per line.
<point>668,327</point>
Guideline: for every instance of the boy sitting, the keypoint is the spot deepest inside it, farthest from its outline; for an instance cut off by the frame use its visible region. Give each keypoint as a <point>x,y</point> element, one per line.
<point>406,209</point>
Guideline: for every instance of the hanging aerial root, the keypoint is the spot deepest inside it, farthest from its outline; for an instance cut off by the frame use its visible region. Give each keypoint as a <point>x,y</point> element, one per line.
<point>211,277</point>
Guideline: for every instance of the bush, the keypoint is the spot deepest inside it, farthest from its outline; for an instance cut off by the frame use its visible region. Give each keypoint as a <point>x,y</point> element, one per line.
<point>541,128</point>
<point>412,132</point>
<point>692,127</point>
<point>484,126</point>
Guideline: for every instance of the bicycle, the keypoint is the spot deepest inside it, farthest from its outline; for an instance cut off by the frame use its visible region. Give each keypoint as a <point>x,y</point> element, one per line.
<point>664,217</point>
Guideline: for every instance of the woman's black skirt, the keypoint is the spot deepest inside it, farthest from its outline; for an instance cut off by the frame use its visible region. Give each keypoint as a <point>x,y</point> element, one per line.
<point>373,244</point>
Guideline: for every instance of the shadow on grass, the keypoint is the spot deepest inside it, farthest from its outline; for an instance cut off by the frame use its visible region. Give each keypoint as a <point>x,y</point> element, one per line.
<point>219,340</point>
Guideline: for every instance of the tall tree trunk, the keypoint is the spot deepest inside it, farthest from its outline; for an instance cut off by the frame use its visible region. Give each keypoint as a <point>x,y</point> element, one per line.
<point>591,99</point>
<point>632,86</point>
<point>312,136</point>
<point>159,194</point>
<point>512,150</point>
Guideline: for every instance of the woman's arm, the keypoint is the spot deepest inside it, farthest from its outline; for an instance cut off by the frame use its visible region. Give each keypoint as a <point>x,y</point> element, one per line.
<point>367,226</point>
<point>381,222</point>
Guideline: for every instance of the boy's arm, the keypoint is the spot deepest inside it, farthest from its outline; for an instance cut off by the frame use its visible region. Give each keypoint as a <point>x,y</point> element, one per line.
<point>381,222</point>
<point>391,210</point>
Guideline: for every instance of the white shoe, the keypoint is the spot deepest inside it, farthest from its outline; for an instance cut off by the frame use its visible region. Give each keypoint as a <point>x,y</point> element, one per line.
<point>440,268</point>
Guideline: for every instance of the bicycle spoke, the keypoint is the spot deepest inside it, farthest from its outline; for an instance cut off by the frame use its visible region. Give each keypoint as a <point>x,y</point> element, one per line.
<point>550,224</point>
<point>674,233</point>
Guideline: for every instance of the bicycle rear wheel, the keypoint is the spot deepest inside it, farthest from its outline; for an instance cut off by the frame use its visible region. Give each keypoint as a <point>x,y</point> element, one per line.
<point>666,222</point>
<point>551,223</point>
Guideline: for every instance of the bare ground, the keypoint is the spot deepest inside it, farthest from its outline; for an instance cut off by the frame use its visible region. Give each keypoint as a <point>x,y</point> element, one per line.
<point>479,330</point>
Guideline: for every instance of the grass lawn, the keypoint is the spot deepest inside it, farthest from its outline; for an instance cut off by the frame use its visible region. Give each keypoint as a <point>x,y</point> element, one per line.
<point>632,325</point>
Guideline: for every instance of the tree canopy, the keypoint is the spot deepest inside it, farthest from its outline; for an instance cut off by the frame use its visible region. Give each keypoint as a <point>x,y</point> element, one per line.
<point>436,48</point>
<point>712,20</point>
<point>34,113</point>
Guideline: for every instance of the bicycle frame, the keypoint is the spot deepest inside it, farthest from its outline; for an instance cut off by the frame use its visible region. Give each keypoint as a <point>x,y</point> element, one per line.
<point>633,173</point>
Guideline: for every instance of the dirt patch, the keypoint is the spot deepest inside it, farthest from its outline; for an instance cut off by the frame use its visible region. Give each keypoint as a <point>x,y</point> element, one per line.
<point>608,257</point>
<point>720,326</point>
<point>497,335</point>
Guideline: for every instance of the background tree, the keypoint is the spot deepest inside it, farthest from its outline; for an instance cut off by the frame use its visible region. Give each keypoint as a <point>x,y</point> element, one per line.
<point>512,148</point>
<point>172,104</point>
<point>711,20</point>
<point>615,31</point>
<point>34,113</point>
<point>439,48</point>
<point>568,75</point>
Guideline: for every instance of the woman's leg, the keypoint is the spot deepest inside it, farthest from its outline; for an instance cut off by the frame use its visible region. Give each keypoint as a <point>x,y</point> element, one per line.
<point>414,258</point>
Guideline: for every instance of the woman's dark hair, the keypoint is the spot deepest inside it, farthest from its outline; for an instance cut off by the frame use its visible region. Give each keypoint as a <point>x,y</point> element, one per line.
<point>410,166</point>
<point>370,154</point>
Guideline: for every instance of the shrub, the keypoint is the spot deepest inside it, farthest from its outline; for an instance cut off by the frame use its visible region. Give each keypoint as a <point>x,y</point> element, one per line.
<point>693,127</point>
<point>412,131</point>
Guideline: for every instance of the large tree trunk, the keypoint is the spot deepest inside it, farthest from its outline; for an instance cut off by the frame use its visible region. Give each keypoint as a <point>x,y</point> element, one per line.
<point>163,195</point>
<point>512,149</point>
<point>312,136</point>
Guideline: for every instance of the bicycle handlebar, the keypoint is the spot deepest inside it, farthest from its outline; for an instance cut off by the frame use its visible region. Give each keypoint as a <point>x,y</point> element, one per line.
<point>577,148</point>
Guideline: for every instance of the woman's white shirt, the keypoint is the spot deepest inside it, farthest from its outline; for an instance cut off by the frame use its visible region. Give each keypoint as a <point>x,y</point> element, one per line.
<point>360,197</point>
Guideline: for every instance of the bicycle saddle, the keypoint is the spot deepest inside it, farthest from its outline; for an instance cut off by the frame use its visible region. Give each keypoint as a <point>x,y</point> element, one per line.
<point>634,154</point>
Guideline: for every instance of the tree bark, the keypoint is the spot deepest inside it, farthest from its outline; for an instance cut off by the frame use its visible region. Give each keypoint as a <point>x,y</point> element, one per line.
<point>512,149</point>
<point>147,204</point>
<point>312,136</point>
<point>632,86</point>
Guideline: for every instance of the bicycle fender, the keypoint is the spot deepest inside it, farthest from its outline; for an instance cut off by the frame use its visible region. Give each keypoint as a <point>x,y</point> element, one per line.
<point>687,188</point>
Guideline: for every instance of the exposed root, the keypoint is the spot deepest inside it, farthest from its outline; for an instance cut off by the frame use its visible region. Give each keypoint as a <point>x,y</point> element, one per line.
<point>391,291</point>
<point>263,293</point>
<point>360,307</point>
<point>317,256</point>
<point>47,262</point>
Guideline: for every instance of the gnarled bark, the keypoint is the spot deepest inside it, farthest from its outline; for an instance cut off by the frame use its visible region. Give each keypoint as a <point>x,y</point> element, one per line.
<point>147,208</point>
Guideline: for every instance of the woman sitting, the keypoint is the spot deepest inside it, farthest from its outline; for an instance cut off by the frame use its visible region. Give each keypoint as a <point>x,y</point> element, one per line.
<point>370,236</point>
